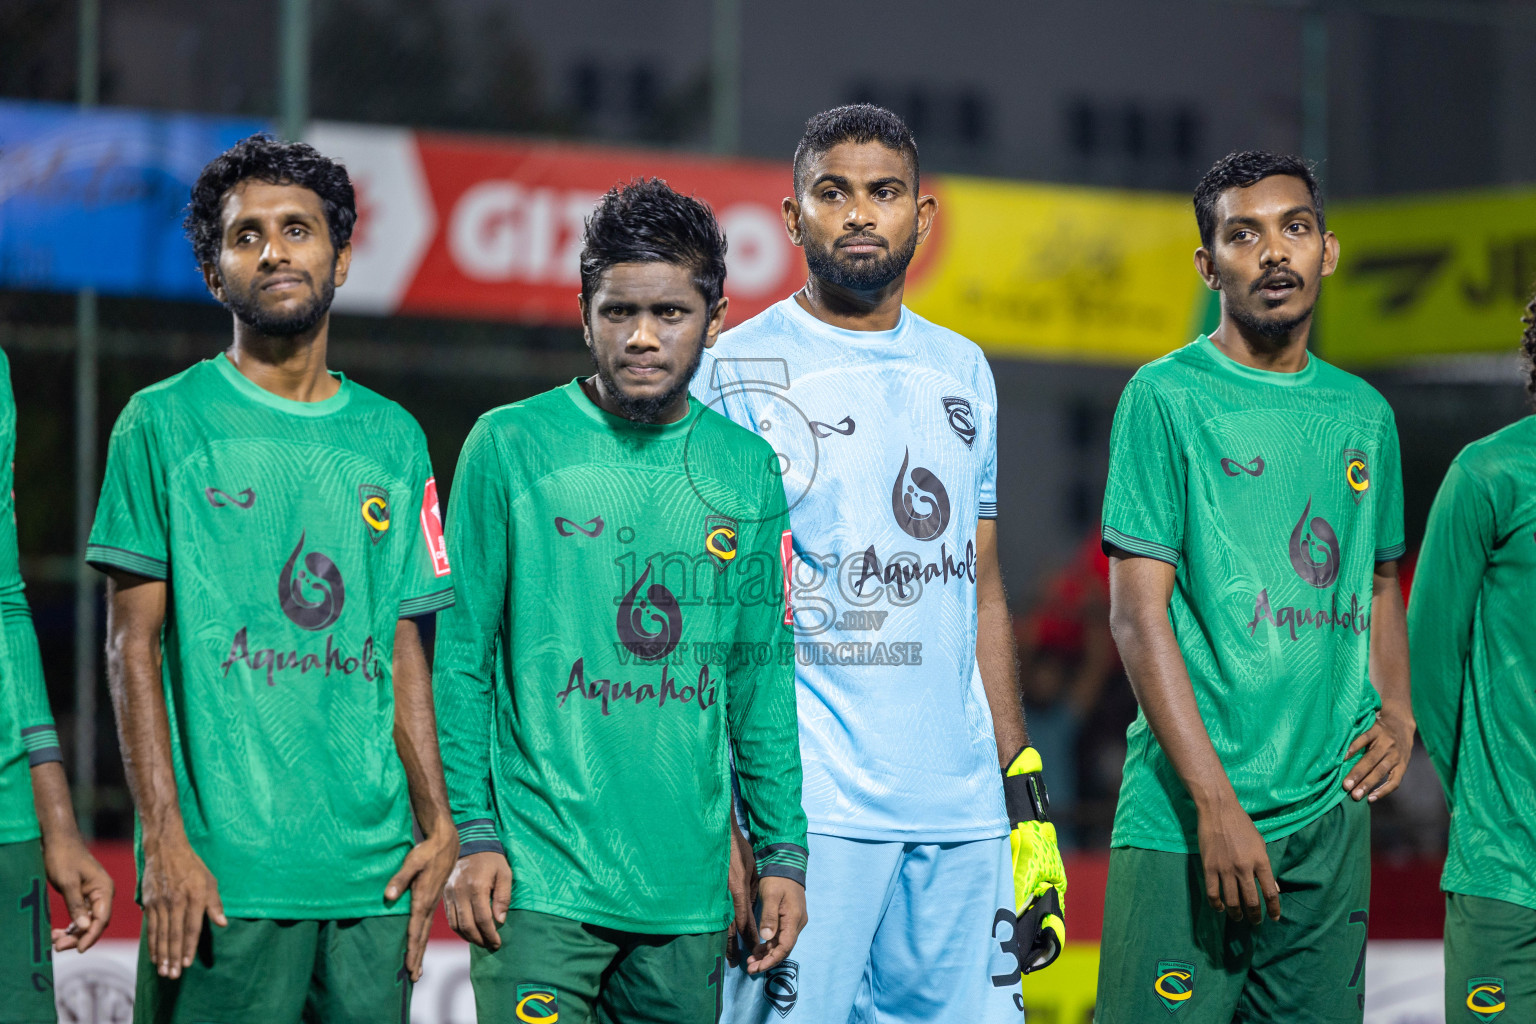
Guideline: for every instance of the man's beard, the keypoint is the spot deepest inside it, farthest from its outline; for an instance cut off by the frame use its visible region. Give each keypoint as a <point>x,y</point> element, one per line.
<point>860,274</point>
<point>1273,332</point>
<point>647,410</point>
<point>246,307</point>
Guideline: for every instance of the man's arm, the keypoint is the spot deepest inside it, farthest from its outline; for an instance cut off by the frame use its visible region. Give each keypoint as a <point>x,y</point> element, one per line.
<point>765,737</point>
<point>1389,741</point>
<point>177,888</point>
<point>994,648</point>
<point>1231,849</point>
<point>1458,543</point>
<point>82,881</point>
<point>480,887</point>
<point>427,866</point>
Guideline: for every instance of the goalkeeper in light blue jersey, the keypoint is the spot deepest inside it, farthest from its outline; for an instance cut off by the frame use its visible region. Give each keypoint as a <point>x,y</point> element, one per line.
<point>886,428</point>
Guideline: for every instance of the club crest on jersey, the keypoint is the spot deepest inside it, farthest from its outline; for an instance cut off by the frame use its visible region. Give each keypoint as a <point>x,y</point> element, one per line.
<point>373,500</point>
<point>1174,984</point>
<point>1310,538</point>
<point>1485,998</point>
<point>782,988</point>
<point>537,1004</point>
<point>720,540</point>
<point>1357,474</point>
<point>958,412</point>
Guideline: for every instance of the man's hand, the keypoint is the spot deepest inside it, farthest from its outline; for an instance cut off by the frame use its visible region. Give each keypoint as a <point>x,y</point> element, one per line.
<point>1387,745</point>
<point>479,892</point>
<point>87,890</point>
<point>1234,855</point>
<point>177,891</point>
<point>741,880</point>
<point>425,870</point>
<point>783,918</point>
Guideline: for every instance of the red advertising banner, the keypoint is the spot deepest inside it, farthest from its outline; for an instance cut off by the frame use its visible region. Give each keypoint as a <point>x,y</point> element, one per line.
<point>491,228</point>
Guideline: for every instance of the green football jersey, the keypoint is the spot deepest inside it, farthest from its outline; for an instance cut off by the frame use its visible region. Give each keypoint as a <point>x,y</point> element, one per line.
<point>1474,663</point>
<point>621,637</point>
<point>27,734</point>
<point>1274,495</point>
<point>293,537</point>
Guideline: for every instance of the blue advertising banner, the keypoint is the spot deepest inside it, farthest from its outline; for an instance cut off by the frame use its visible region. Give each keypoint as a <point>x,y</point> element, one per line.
<point>94,198</point>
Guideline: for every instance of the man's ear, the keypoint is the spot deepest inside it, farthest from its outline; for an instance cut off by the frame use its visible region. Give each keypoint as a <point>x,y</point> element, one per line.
<point>343,264</point>
<point>586,328</point>
<point>214,281</point>
<point>1330,253</point>
<point>716,322</point>
<point>791,213</point>
<point>1205,264</point>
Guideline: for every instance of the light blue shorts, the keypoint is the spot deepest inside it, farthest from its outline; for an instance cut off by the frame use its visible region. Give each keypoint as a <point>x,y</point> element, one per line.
<point>899,932</point>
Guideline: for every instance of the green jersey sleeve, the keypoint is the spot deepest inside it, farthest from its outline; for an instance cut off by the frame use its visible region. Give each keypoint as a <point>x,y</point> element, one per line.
<point>760,697</point>
<point>21,679</point>
<point>1390,542</point>
<point>428,583</point>
<point>132,527</point>
<point>479,514</point>
<point>1458,543</point>
<point>1144,498</point>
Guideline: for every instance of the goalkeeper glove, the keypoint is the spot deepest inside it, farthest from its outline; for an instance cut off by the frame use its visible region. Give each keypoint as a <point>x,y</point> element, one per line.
<point>1039,880</point>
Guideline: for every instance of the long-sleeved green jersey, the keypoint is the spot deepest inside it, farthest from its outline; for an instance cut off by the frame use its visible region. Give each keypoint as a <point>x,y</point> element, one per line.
<point>27,735</point>
<point>1474,664</point>
<point>620,635</point>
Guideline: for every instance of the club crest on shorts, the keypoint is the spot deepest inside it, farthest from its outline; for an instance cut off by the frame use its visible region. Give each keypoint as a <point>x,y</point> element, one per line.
<point>720,540</point>
<point>1357,473</point>
<point>374,502</point>
<point>1174,984</point>
<point>783,987</point>
<point>537,1004</point>
<point>1485,998</point>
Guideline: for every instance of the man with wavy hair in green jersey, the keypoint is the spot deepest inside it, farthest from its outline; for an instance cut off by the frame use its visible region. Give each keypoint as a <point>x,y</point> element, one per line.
<point>270,534</point>
<point>1474,692</point>
<point>621,643</point>
<point>1254,521</point>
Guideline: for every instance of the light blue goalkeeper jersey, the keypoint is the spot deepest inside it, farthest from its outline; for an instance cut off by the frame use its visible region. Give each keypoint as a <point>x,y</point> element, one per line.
<point>888,444</point>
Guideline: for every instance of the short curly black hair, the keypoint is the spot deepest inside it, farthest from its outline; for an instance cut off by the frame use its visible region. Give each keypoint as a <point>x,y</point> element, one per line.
<point>1239,170</point>
<point>646,221</point>
<point>859,123</point>
<point>260,157</point>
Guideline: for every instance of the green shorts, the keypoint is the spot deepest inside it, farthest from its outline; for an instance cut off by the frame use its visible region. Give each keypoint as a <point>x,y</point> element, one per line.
<point>259,971</point>
<point>26,950</point>
<point>1490,960</point>
<point>1166,954</point>
<point>549,967</point>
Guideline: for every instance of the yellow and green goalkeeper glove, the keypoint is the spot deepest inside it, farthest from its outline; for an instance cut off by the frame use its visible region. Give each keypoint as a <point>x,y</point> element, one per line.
<point>1039,880</point>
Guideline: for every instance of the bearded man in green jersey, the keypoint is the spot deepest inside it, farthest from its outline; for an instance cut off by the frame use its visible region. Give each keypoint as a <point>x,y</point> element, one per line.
<point>623,640</point>
<point>39,842</point>
<point>270,533</point>
<point>1474,692</point>
<point>1253,519</point>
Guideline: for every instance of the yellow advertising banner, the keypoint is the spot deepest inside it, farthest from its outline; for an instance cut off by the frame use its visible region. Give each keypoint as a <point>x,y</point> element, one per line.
<point>1430,275</point>
<point>1061,272</point>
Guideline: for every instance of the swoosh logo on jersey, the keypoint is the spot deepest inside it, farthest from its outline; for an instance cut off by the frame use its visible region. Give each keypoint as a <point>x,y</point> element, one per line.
<point>1305,537</point>
<point>1254,468</point>
<point>312,598</point>
<point>664,614</point>
<point>843,426</point>
<point>223,499</point>
<point>564,527</point>
<point>921,505</point>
